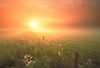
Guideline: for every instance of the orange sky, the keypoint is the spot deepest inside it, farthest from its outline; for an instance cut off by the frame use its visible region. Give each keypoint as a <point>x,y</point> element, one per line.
<point>50,13</point>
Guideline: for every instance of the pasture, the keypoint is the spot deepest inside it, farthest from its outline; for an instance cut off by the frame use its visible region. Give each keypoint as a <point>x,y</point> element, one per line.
<point>59,53</point>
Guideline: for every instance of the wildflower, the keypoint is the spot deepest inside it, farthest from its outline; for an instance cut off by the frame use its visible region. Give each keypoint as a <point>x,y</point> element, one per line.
<point>90,63</point>
<point>60,45</point>
<point>33,62</point>
<point>89,60</point>
<point>59,53</point>
<point>30,62</point>
<point>28,59</point>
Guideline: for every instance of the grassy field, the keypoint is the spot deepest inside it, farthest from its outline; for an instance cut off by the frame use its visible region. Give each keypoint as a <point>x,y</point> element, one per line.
<point>30,53</point>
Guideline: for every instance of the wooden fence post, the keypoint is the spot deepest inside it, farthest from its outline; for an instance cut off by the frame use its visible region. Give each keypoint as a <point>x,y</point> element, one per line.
<point>43,40</point>
<point>76,60</point>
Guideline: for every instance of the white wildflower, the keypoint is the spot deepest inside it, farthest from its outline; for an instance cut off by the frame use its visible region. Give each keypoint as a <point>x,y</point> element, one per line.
<point>59,53</point>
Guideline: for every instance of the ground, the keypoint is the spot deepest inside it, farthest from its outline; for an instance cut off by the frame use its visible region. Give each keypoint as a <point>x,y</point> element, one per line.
<point>58,53</point>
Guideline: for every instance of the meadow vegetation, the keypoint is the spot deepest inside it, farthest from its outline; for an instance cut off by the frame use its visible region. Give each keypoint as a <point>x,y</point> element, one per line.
<point>31,52</point>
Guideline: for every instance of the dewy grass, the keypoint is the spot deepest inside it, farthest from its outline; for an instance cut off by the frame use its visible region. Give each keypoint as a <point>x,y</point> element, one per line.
<point>53,54</point>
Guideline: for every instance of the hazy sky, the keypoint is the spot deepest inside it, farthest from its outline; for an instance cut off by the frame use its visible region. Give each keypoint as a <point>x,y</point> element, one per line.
<point>18,13</point>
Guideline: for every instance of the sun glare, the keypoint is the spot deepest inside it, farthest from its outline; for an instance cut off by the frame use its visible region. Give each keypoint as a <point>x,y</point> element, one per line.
<point>33,24</point>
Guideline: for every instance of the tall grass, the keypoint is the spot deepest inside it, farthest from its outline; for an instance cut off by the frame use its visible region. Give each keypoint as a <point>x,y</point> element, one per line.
<point>26,53</point>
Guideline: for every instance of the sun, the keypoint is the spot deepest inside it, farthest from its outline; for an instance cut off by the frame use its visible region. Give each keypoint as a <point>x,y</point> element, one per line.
<point>34,24</point>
